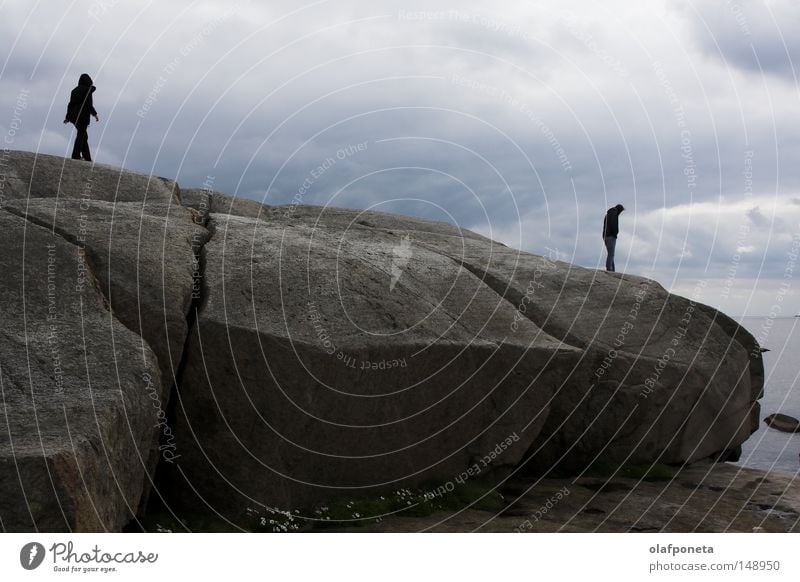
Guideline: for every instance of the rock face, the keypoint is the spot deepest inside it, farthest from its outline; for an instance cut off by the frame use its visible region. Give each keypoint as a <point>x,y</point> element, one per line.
<point>339,350</point>
<point>305,361</point>
<point>93,331</point>
<point>75,392</point>
<point>318,352</point>
<point>28,175</point>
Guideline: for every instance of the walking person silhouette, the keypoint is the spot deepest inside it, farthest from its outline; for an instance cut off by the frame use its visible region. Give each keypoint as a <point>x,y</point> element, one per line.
<point>79,111</point>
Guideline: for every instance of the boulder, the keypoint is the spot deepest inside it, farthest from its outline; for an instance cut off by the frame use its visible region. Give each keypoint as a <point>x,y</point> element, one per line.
<point>783,422</point>
<point>339,351</point>
<point>77,389</point>
<point>136,256</point>
<point>662,377</point>
<point>316,352</point>
<point>327,361</point>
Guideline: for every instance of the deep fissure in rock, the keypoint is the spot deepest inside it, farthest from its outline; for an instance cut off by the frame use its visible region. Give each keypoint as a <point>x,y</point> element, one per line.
<point>164,471</point>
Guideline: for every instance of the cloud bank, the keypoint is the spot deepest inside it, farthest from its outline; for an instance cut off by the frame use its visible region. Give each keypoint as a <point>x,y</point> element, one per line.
<point>521,121</point>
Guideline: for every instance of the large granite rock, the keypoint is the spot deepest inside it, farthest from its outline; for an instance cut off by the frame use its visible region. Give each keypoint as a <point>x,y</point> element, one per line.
<point>311,372</point>
<point>76,392</point>
<point>136,259</point>
<point>320,352</point>
<point>338,351</point>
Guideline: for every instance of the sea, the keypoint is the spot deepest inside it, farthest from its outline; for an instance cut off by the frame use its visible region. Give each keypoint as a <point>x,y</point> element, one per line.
<point>767,448</point>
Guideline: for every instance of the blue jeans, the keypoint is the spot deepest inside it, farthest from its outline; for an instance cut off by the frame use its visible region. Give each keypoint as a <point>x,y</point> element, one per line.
<point>611,244</point>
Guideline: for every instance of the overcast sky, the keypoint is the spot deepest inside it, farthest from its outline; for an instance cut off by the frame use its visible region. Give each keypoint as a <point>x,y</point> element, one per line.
<point>521,120</point>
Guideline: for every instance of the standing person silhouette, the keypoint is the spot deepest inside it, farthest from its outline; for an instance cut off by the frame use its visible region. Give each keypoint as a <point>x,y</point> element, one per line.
<point>79,110</point>
<point>610,232</point>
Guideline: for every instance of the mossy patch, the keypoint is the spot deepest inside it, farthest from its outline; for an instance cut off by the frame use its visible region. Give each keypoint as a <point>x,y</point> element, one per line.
<point>338,512</point>
<point>638,471</point>
<point>654,472</point>
<point>420,502</point>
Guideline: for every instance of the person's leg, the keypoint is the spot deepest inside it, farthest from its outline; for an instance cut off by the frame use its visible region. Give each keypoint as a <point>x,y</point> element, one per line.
<point>78,147</point>
<point>613,240</point>
<point>611,243</point>
<point>85,144</point>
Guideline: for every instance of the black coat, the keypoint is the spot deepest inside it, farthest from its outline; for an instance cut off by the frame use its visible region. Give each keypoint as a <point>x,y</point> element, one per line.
<point>81,108</point>
<point>611,223</point>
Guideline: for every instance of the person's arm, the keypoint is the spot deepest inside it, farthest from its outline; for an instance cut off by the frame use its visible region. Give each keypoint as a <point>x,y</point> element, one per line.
<point>91,106</point>
<point>613,226</point>
<point>69,108</point>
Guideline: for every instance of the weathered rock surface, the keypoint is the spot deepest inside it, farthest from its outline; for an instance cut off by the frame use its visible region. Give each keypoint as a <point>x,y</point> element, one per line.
<point>320,352</point>
<point>136,259</point>
<point>29,175</point>
<point>209,201</point>
<point>143,258</point>
<point>77,417</point>
<point>308,375</point>
<point>299,303</point>
<point>660,379</point>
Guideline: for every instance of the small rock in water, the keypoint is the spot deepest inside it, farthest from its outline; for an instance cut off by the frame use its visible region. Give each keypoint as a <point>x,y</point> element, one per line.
<point>783,422</point>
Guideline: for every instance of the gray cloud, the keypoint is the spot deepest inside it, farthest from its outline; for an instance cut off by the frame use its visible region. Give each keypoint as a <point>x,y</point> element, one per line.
<point>754,35</point>
<point>757,218</point>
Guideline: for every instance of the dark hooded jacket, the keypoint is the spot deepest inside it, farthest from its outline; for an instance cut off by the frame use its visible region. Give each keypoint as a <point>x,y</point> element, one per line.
<point>81,108</point>
<point>611,222</point>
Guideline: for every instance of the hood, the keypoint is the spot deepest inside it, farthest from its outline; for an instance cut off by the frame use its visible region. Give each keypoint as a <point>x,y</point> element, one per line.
<point>85,80</point>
